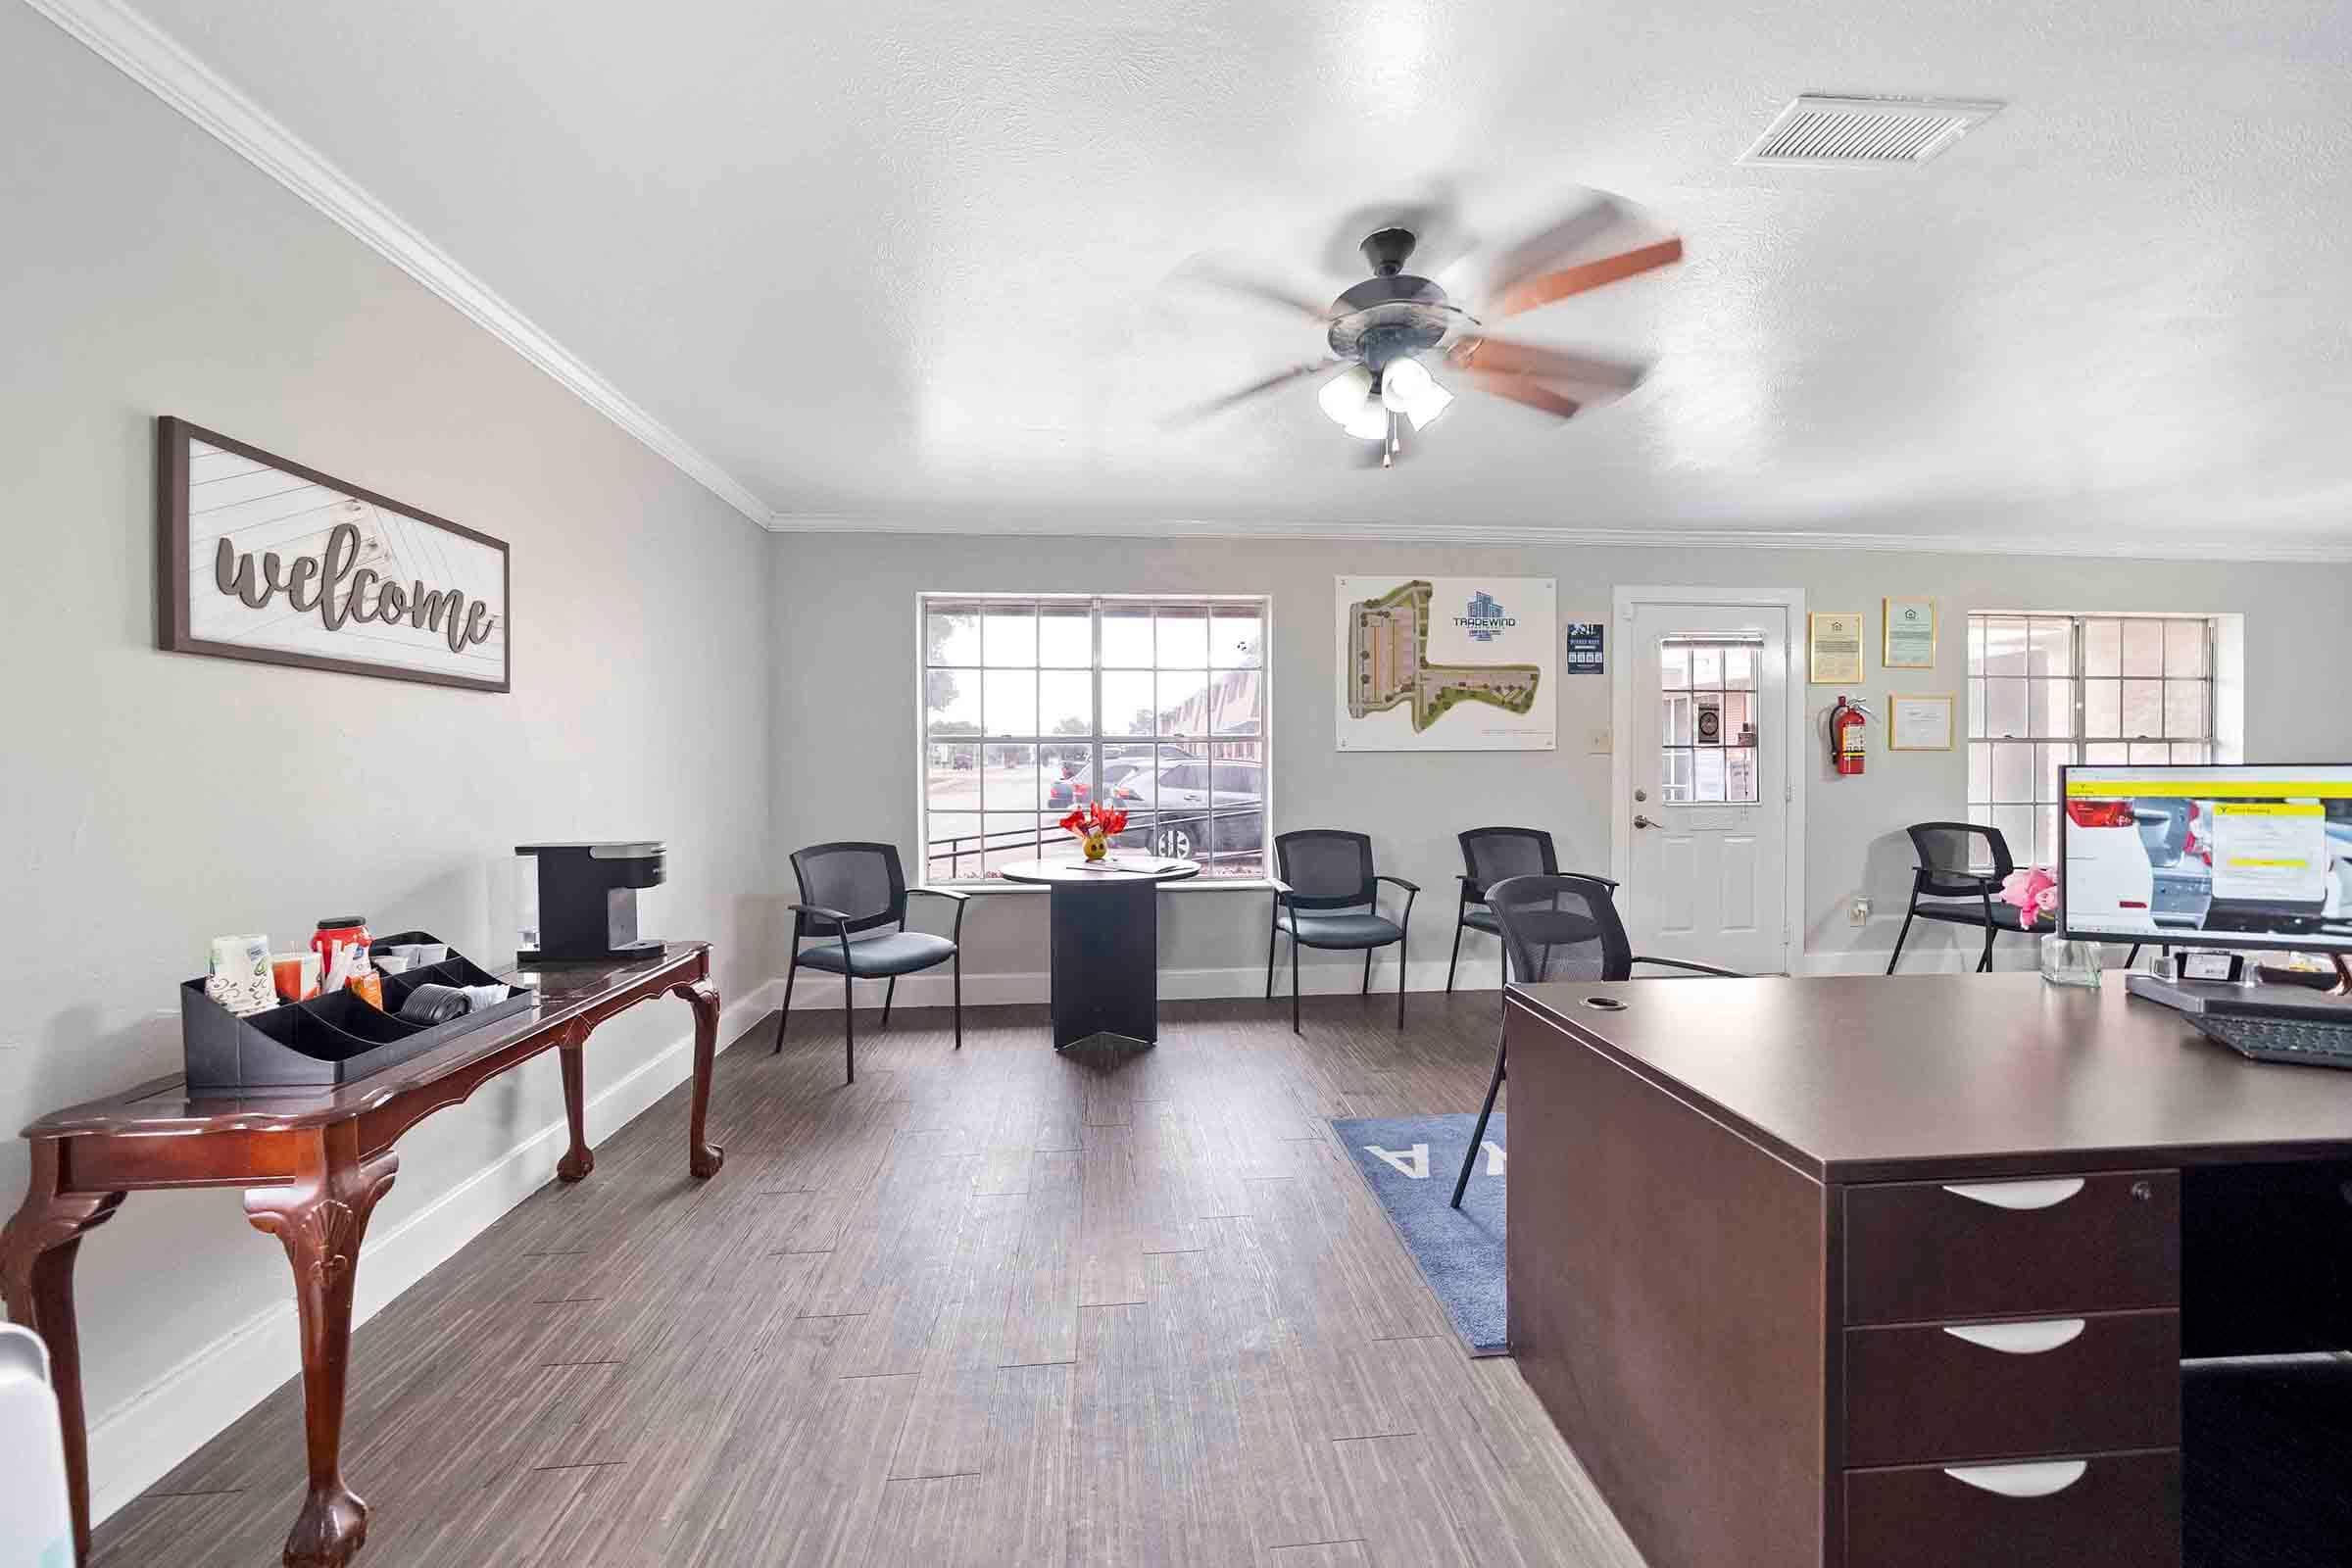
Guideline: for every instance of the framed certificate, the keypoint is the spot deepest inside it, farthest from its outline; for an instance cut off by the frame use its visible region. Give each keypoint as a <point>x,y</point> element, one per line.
<point>1919,724</point>
<point>1834,647</point>
<point>1907,633</point>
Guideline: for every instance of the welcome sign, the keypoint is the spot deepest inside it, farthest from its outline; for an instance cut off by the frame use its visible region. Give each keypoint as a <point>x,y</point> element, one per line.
<point>263,559</point>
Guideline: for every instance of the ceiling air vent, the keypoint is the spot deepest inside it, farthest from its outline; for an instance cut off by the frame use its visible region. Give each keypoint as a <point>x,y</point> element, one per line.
<point>1816,133</point>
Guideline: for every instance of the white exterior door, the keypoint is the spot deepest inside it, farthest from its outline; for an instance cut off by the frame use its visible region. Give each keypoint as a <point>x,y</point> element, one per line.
<point>1703,824</point>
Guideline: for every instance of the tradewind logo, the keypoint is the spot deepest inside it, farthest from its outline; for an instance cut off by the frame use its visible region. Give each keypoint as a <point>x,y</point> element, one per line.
<point>1484,619</point>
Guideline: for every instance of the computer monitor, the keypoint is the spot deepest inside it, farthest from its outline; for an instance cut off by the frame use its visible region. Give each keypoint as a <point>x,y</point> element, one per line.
<point>2219,857</point>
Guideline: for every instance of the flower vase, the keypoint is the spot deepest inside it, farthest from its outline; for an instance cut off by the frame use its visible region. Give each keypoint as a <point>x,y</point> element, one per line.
<point>1097,844</point>
<point>2066,963</point>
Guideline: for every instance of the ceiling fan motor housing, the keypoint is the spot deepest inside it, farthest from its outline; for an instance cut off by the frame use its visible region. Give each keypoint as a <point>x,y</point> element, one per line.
<point>1392,315</point>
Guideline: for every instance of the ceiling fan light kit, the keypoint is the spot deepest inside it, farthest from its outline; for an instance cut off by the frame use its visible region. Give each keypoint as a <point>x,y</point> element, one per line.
<point>1380,328</point>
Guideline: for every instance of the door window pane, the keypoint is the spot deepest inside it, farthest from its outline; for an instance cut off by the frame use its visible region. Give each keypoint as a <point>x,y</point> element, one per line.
<point>2005,707</point>
<point>2143,708</point>
<point>2184,707</point>
<point>2143,648</point>
<point>2103,648</point>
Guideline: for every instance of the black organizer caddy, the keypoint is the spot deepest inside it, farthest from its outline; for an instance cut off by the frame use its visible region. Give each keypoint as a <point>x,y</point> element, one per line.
<point>332,1039</point>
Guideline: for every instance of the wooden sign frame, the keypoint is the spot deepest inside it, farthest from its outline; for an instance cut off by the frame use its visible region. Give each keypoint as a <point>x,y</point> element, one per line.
<point>427,607</point>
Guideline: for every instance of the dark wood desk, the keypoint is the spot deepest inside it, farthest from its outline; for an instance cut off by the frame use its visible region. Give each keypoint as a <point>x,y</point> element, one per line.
<point>313,1166</point>
<point>1861,1272</point>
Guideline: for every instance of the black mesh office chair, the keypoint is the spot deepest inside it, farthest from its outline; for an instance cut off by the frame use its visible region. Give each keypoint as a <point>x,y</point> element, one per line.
<point>1489,855</point>
<point>1327,895</point>
<point>847,888</point>
<point>1948,856</point>
<point>1558,928</point>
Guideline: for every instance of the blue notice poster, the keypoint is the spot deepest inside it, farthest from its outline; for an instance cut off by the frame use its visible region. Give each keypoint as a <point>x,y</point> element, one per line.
<point>1584,648</point>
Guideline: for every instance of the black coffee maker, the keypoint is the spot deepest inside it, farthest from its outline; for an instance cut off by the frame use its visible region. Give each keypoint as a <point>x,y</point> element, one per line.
<point>579,901</point>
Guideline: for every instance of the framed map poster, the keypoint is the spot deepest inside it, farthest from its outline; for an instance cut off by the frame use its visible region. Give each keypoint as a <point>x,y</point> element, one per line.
<point>1448,663</point>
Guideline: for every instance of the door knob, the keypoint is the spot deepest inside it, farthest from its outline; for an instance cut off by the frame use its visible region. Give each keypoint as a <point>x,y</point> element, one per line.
<point>1643,821</point>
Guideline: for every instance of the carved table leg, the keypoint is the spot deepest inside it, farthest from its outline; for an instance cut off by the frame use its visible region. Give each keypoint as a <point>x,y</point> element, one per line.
<point>579,1159</point>
<point>37,1280</point>
<point>703,1157</point>
<point>320,1218</point>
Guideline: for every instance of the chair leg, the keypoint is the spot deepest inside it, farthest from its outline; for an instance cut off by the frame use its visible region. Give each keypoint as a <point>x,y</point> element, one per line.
<point>1985,965</point>
<point>889,994</point>
<point>1367,972</point>
<point>1901,937</point>
<point>958,979</point>
<point>848,1025</point>
<point>1272,931</point>
<point>1461,1183</point>
<point>1452,962</point>
<point>1295,983</point>
<point>2132,958</point>
<point>792,972</point>
<point>1400,979</point>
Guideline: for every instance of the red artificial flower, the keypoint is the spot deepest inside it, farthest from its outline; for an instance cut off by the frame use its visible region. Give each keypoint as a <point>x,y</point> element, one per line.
<point>1075,823</point>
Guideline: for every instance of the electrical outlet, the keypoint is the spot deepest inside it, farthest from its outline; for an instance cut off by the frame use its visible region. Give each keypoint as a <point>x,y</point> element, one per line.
<point>1861,911</point>
<point>1598,742</point>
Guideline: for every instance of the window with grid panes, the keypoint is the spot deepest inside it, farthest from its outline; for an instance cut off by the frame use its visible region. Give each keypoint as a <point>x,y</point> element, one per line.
<point>2045,690</point>
<point>1034,704</point>
<point>1707,729</point>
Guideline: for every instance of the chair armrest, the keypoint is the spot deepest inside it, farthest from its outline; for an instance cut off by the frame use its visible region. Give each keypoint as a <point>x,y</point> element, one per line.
<point>1695,968</point>
<point>1282,889</point>
<point>819,915</point>
<point>1410,887</point>
<point>959,900</point>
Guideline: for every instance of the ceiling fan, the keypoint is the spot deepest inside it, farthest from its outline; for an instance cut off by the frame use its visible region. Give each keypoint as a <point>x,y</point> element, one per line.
<point>1381,332</point>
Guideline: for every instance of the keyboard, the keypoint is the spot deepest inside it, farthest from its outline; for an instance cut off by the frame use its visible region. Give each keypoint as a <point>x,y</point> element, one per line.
<point>2318,1042</point>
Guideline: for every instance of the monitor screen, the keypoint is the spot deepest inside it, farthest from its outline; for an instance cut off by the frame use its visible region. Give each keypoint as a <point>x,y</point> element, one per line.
<point>2237,856</point>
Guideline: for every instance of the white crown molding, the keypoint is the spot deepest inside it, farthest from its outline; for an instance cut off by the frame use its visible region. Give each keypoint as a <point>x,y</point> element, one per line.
<point>1622,538</point>
<point>156,62</point>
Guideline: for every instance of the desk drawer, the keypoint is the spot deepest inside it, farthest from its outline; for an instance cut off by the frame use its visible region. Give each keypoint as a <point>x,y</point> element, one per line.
<point>2111,1510</point>
<point>1934,1251</point>
<point>1977,1391</point>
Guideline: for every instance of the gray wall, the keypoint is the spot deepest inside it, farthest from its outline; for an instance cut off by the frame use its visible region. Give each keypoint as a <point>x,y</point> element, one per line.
<point>152,801</point>
<point>847,760</point>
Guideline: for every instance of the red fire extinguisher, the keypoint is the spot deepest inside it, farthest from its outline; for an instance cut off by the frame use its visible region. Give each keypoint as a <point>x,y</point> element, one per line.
<point>1847,720</point>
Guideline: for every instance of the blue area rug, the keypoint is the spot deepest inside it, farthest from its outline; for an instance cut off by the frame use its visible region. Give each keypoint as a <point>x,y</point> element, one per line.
<point>1411,1163</point>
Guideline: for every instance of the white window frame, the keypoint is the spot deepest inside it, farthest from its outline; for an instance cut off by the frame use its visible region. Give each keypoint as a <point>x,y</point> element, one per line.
<point>2217,746</point>
<point>1262,604</point>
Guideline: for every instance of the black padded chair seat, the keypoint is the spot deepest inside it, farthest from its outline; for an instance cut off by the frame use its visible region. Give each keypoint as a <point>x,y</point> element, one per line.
<point>1478,918</point>
<point>1971,912</point>
<point>1338,929</point>
<point>893,953</point>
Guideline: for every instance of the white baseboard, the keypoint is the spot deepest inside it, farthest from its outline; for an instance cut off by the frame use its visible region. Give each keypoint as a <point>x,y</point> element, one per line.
<point>817,991</point>
<point>140,1439</point>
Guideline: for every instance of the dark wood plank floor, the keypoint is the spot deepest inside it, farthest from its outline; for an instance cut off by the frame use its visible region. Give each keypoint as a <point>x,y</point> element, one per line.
<point>989,1307</point>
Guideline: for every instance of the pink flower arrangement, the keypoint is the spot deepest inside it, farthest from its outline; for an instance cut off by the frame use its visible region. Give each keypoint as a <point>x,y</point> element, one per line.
<point>2035,892</point>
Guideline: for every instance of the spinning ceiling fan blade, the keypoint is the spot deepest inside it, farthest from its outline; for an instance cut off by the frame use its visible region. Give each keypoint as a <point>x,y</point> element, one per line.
<point>1552,364</point>
<point>1279,295</point>
<point>1202,410</point>
<point>1520,389</point>
<point>1546,287</point>
<point>1538,251</point>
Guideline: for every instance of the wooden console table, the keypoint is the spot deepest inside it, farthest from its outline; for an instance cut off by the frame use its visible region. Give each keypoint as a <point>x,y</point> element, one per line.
<point>312,1165</point>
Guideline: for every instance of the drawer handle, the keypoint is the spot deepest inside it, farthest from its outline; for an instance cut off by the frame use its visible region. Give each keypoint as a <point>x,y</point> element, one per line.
<point>2042,1480</point>
<point>2047,1193</point>
<point>2020,1338</point>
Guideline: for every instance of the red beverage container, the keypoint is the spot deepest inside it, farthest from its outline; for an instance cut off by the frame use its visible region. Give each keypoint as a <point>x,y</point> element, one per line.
<point>339,932</point>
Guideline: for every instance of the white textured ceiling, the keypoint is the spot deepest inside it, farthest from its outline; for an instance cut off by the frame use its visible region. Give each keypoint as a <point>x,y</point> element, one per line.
<point>910,260</point>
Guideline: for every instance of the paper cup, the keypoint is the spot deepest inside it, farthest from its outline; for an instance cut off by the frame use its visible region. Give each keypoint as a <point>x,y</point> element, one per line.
<point>296,975</point>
